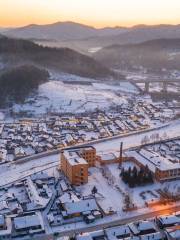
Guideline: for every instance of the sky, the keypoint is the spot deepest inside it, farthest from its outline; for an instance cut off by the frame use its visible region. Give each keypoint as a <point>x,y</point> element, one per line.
<point>97,13</point>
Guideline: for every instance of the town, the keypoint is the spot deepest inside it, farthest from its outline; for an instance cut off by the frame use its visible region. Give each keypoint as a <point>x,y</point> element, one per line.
<point>105,174</point>
<point>134,190</point>
<point>90,120</point>
<point>102,174</point>
<point>27,137</point>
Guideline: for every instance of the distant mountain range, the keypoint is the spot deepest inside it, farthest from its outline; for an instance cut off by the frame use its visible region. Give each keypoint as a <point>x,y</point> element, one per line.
<point>61,31</point>
<point>155,55</point>
<point>14,52</point>
<point>91,37</point>
<point>137,34</point>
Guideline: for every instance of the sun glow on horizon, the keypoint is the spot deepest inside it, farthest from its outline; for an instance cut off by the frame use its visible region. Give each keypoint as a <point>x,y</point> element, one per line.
<point>99,13</point>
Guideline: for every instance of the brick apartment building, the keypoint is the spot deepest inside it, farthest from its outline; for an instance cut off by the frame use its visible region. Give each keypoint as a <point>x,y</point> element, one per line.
<point>75,163</point>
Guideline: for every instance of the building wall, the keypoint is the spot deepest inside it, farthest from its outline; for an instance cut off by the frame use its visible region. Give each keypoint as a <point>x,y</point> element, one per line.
<point>77,174</point>
<point>168,174</point>
<point>158,174</point>
<point>80,174</point>
<point>89,155</point>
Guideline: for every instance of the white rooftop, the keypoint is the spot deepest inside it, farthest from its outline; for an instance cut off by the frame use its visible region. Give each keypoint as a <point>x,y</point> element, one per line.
<point>108,157</point>
<point>80,206</point>
<point>73,158</point>
<point>153,160</point>
<point>27,222</point>
<point>117,232</point>
<point>172,219</point>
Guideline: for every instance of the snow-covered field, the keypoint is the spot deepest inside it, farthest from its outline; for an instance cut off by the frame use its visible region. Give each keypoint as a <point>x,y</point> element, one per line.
<point>60,95</point>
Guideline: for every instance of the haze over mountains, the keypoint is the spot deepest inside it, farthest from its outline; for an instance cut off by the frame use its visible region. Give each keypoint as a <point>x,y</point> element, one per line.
<point>140,34</point>
<point>121,47</point>
<point>156,55</point>
<point>16,51</point>
<point>151,49</point>
<point>25,65</point>
<point>82,36</point>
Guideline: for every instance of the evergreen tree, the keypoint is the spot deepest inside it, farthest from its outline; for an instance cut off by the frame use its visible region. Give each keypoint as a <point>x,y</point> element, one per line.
<point>94,190</point>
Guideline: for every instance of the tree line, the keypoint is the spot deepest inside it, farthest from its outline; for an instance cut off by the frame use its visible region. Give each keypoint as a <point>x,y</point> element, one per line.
<point>16,84</point>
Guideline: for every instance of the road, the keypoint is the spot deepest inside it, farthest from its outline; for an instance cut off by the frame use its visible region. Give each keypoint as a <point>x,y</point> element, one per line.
<point>126,220</point>
<point>170,80</point>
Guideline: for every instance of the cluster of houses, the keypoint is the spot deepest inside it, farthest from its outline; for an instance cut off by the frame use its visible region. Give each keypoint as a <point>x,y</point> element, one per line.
<point>70,207</point>
<point>28,136</point>
<point>167,148</point>
<point>160,228</point>
<point>22,204</point>
<point>67,206</point>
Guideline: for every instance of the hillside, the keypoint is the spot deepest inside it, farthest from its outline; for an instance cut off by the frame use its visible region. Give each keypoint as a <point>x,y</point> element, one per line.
<point>1,36</point>
<point>17,83</point>
<point>153,55</point>
<point>16,51</point>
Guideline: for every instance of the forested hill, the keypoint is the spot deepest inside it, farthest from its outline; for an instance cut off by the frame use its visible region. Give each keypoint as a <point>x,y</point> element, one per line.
<point>16,51</point>
<point>16,84</point>
<point>155,55</point>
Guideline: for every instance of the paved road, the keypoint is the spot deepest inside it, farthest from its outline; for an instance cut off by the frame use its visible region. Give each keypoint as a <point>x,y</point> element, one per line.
<point>125,220</point>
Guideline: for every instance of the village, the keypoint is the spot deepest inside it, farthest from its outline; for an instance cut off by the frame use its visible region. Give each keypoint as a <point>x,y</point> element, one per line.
<point>27,137</point>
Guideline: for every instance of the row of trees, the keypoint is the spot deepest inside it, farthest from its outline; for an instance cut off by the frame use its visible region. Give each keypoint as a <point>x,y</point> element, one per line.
<point>136,177</point>
<point>154,137</point>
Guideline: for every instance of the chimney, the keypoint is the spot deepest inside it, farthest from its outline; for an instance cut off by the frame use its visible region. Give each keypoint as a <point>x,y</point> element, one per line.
<point>121,155</point>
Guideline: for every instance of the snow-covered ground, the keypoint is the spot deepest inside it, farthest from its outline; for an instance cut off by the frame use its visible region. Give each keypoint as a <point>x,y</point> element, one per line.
<point>108,197</point>
<point>13,172</point>
<point>2,116</point>
<point>60,95</point>
<point>94,50</point>
<point>112,190</point>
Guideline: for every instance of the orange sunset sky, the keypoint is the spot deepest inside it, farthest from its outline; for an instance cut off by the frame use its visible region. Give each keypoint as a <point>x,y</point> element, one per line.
<point>98,13</point>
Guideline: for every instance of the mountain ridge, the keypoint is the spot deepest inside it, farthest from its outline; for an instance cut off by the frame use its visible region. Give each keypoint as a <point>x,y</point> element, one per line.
<point>81,37</point>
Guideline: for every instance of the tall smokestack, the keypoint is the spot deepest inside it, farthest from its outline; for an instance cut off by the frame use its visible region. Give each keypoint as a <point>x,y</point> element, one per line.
<point>121,155</point>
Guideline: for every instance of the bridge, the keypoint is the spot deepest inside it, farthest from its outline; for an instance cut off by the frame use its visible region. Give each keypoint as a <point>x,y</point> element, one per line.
<point>147,82</point>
